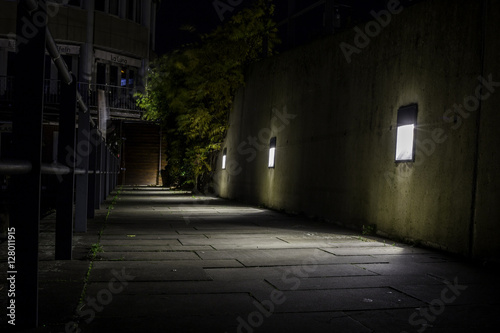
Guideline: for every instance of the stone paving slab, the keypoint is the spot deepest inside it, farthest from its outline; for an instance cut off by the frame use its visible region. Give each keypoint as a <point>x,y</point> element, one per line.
<point>146,271</point>
<point>255,287</point>
<point>167,270</point>
<point>297,322</point>
<point>133,241</point>
<point>451,319</point>
<point>223,243</point>
<point>415,258</point>
<point>284,257</point>
<point>226,231</point>
<point>143,236</point>
<point>333,243</point>
<point>123,230</point>
<point>62,295</point>
<point>174,305</point>
<point>63,270</point>
<point>455,293</point>
<point>149,256</point>
<point>349,282</point>
<point>345,300</point>
<point>288,273</point>
<point>441,270</point>
<point>350,251</point>
<point>157,248</point>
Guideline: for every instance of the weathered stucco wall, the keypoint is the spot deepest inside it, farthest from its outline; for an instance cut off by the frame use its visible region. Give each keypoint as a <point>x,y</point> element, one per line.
<point>486,228</point>
<point>335,123</point>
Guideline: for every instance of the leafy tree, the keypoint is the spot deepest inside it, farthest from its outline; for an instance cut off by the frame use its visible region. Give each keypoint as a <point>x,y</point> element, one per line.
<point>191,90</point>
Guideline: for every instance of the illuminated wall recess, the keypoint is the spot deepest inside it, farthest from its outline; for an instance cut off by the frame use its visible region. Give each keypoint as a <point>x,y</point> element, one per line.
<point>272,152</point>
<point>224,153</point>
<point>405,140</point>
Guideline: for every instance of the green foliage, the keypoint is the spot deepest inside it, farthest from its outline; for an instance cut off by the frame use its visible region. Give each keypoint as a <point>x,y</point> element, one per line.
<point>370,229</point>
<point>191,90</point>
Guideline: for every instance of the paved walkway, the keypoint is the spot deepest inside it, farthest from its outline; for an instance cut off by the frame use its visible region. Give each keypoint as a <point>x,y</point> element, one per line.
<point>173,262</point>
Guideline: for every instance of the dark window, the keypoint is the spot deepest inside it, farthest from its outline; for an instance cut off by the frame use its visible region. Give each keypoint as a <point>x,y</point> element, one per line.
<point>138,11</point>
<point>101,73</point>
<point>131,78</point>
<point>99,5</point>
<point>48,63</point>
<point>68,59</point>
<point>113,75</point>
<point>74,3</point>
<point>130,9</point>
<point>11,56</point>
<point>113,7</point>
<point>6,148</point>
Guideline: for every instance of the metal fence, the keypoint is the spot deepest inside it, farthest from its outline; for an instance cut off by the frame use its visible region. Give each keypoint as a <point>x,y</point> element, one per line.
<point>117,98</point>
<point>86,169</point>
<point>6,88</point>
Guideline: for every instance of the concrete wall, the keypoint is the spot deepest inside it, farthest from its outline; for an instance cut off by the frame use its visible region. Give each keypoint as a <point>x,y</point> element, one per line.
<point>336,141</point>
<point>486,228</point>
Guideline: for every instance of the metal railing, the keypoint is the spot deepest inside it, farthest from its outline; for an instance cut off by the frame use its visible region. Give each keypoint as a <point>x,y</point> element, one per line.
<point>6,88</point>
<point>117,98</point>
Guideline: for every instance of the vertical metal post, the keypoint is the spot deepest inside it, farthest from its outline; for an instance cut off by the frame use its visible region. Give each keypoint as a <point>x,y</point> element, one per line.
<point>83,150</point>
<point>92,175</point>
<point>108,160</point>
<point>98,192</point>
<point>27,145</point>
<point>103,172</point>
<point>66,156</point>
<point>115,171</point>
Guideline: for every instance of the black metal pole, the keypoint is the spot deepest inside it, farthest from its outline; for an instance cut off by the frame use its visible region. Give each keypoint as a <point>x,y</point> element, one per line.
<point>27,145</point>
<point>108,161</point>
<point>98,192</point>
<point>83,150</point>
<point>92,176</point>
<point>66,155</point>
<point>103,172</point>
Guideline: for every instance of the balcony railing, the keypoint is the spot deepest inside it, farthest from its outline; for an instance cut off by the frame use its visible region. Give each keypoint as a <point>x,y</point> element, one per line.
<point>6,89</point>
<point>120,100</point>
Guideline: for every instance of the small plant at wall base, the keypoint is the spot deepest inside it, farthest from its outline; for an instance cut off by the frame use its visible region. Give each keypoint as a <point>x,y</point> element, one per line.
<point>191,90</point>
<point>369,229</point>
<point>94,250</point>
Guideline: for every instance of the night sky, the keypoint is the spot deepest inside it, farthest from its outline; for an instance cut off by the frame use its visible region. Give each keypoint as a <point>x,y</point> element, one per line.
<point>201,14</point>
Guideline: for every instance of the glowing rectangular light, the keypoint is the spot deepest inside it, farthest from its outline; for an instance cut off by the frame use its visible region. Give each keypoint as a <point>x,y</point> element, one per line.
<point>405,137</point>
<point>272,152</point>
<point>224,153</point>
<point>404,143</point>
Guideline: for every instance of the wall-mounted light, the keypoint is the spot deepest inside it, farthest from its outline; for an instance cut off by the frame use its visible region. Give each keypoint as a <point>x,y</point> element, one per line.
<point>224,153</point>
<point>272,152</point>
<point>405,143</point>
